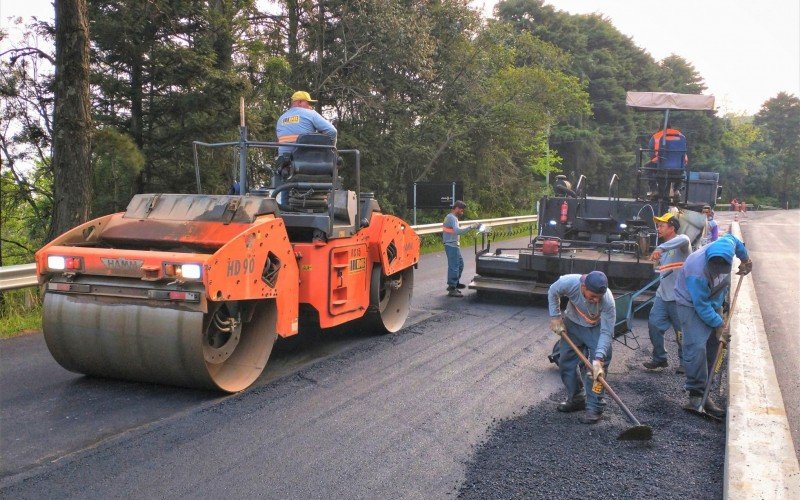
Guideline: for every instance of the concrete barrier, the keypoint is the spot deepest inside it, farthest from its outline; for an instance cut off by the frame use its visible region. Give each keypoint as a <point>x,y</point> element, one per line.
<point>760,460</point>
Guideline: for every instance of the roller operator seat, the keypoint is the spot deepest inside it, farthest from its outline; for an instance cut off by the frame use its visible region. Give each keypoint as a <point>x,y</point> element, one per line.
<point>311,164</point>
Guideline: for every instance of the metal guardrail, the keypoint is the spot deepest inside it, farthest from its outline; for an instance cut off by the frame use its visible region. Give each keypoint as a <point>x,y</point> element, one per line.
<point>24,275</point>
<point>19,276</point>
<point>501,221</point>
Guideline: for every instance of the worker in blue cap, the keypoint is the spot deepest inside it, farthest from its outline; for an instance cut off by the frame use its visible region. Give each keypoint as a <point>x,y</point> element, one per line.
<point>588,320</point>
<point>700,289</point>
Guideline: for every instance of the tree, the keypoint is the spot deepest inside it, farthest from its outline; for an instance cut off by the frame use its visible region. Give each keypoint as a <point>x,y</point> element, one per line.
<point>26,131</point>
<point>779,119</point>
<point>171,72</point>
<point>608,63</point>
<point>116,164</point>
<point>742,168</point>
<point>72,170</point>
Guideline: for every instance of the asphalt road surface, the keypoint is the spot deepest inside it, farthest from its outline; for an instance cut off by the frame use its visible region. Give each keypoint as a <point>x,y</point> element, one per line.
<point>352,415</point>
<point>773,240</point>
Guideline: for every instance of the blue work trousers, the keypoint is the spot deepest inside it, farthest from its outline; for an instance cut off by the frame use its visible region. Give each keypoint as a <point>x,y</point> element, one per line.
<point>699,348</point>
<point>663,314</point>
<point>455,264</point>
<point>585,338</point>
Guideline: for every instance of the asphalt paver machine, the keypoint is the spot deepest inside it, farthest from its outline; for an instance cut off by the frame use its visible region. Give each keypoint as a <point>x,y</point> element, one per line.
<point>193,289</point>
<point>579,233</point>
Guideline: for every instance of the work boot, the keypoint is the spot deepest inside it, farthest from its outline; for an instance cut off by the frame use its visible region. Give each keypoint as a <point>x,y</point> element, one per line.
<point>695,399</point>
<point>454,293</point>
<point>591,417</point>
<point>652,365</point>
<point>461,286</point>
<point>575,404</point>
<point>714,410</point>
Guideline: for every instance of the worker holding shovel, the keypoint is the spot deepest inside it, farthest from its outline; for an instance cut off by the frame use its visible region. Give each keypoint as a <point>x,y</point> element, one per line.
<point>700,289</point>
<point>588,321</point>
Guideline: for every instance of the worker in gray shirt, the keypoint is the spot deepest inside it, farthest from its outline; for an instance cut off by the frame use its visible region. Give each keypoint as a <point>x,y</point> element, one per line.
<point>450,234</point>
<point>670,255</point>
<point>589,322</point>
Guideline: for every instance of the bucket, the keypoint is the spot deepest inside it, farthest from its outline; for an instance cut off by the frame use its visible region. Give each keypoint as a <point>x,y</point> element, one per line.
<point>692,224</point>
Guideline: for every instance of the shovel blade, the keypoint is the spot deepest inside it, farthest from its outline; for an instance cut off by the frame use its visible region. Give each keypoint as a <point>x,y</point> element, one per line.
<point>703,413</point>
<point>637,433</point>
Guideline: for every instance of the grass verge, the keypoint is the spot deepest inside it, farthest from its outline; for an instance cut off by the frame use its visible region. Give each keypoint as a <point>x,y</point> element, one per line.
<point>20,312</point>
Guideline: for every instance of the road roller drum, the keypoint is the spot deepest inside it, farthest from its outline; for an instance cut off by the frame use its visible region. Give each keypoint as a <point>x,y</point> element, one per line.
<point>156,344</point>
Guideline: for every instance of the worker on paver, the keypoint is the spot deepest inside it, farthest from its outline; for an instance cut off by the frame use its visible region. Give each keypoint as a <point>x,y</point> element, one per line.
<point>589,321</point>
<point>670,255</point>
<point>700,289</point>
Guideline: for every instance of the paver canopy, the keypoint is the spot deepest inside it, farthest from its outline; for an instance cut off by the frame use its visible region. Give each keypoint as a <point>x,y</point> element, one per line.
<point>668,100</point>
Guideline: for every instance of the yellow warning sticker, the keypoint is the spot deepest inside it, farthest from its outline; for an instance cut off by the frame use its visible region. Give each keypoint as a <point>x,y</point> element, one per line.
<point>358,265</point>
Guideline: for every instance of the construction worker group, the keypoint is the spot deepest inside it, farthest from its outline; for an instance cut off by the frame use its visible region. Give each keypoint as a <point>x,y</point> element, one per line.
<point>692,290</point>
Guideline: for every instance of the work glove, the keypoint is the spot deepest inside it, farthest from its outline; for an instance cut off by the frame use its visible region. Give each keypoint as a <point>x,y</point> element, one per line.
<point>597,369</point>
<point>557,325</point>
<point>655,255</point>
<point>474,226</point>
<point>745,267</point>
<point>723,333</point>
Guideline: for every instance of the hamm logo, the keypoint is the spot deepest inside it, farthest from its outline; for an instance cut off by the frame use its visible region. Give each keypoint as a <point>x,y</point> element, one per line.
<point>121,264</point>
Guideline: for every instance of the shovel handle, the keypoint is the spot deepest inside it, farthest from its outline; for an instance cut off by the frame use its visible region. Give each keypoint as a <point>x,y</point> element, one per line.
<point>602,379</point>
<point>721,344</point>
<point>733,302</point>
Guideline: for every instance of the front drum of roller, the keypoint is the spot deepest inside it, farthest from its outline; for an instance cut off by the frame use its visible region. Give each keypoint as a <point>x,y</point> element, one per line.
<point>164,345</point>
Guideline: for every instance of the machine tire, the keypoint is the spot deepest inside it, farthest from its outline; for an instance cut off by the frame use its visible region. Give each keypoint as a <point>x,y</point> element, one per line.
<point>389,306</point>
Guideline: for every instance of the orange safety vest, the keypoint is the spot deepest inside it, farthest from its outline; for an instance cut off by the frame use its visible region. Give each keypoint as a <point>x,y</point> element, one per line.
<point>669,267</point>
<point>592,319</point>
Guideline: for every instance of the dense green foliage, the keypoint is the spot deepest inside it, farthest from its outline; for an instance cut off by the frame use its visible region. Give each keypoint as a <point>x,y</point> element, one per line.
<point>426,89</point>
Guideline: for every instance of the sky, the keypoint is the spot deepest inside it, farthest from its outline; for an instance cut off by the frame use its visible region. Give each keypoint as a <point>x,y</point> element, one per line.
<point>746,51</point>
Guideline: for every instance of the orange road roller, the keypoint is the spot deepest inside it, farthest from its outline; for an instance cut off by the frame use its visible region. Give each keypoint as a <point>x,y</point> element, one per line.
<point>193,289</point>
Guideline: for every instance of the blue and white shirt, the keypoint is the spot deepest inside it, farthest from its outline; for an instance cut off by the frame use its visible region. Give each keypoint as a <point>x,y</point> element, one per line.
<point>299,121</point>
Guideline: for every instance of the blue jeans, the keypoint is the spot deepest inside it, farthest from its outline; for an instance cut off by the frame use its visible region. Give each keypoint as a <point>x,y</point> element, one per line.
<point>585,338</point>
<point>455,264</point>
<point>663,314</point>
<point>699,348</point>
